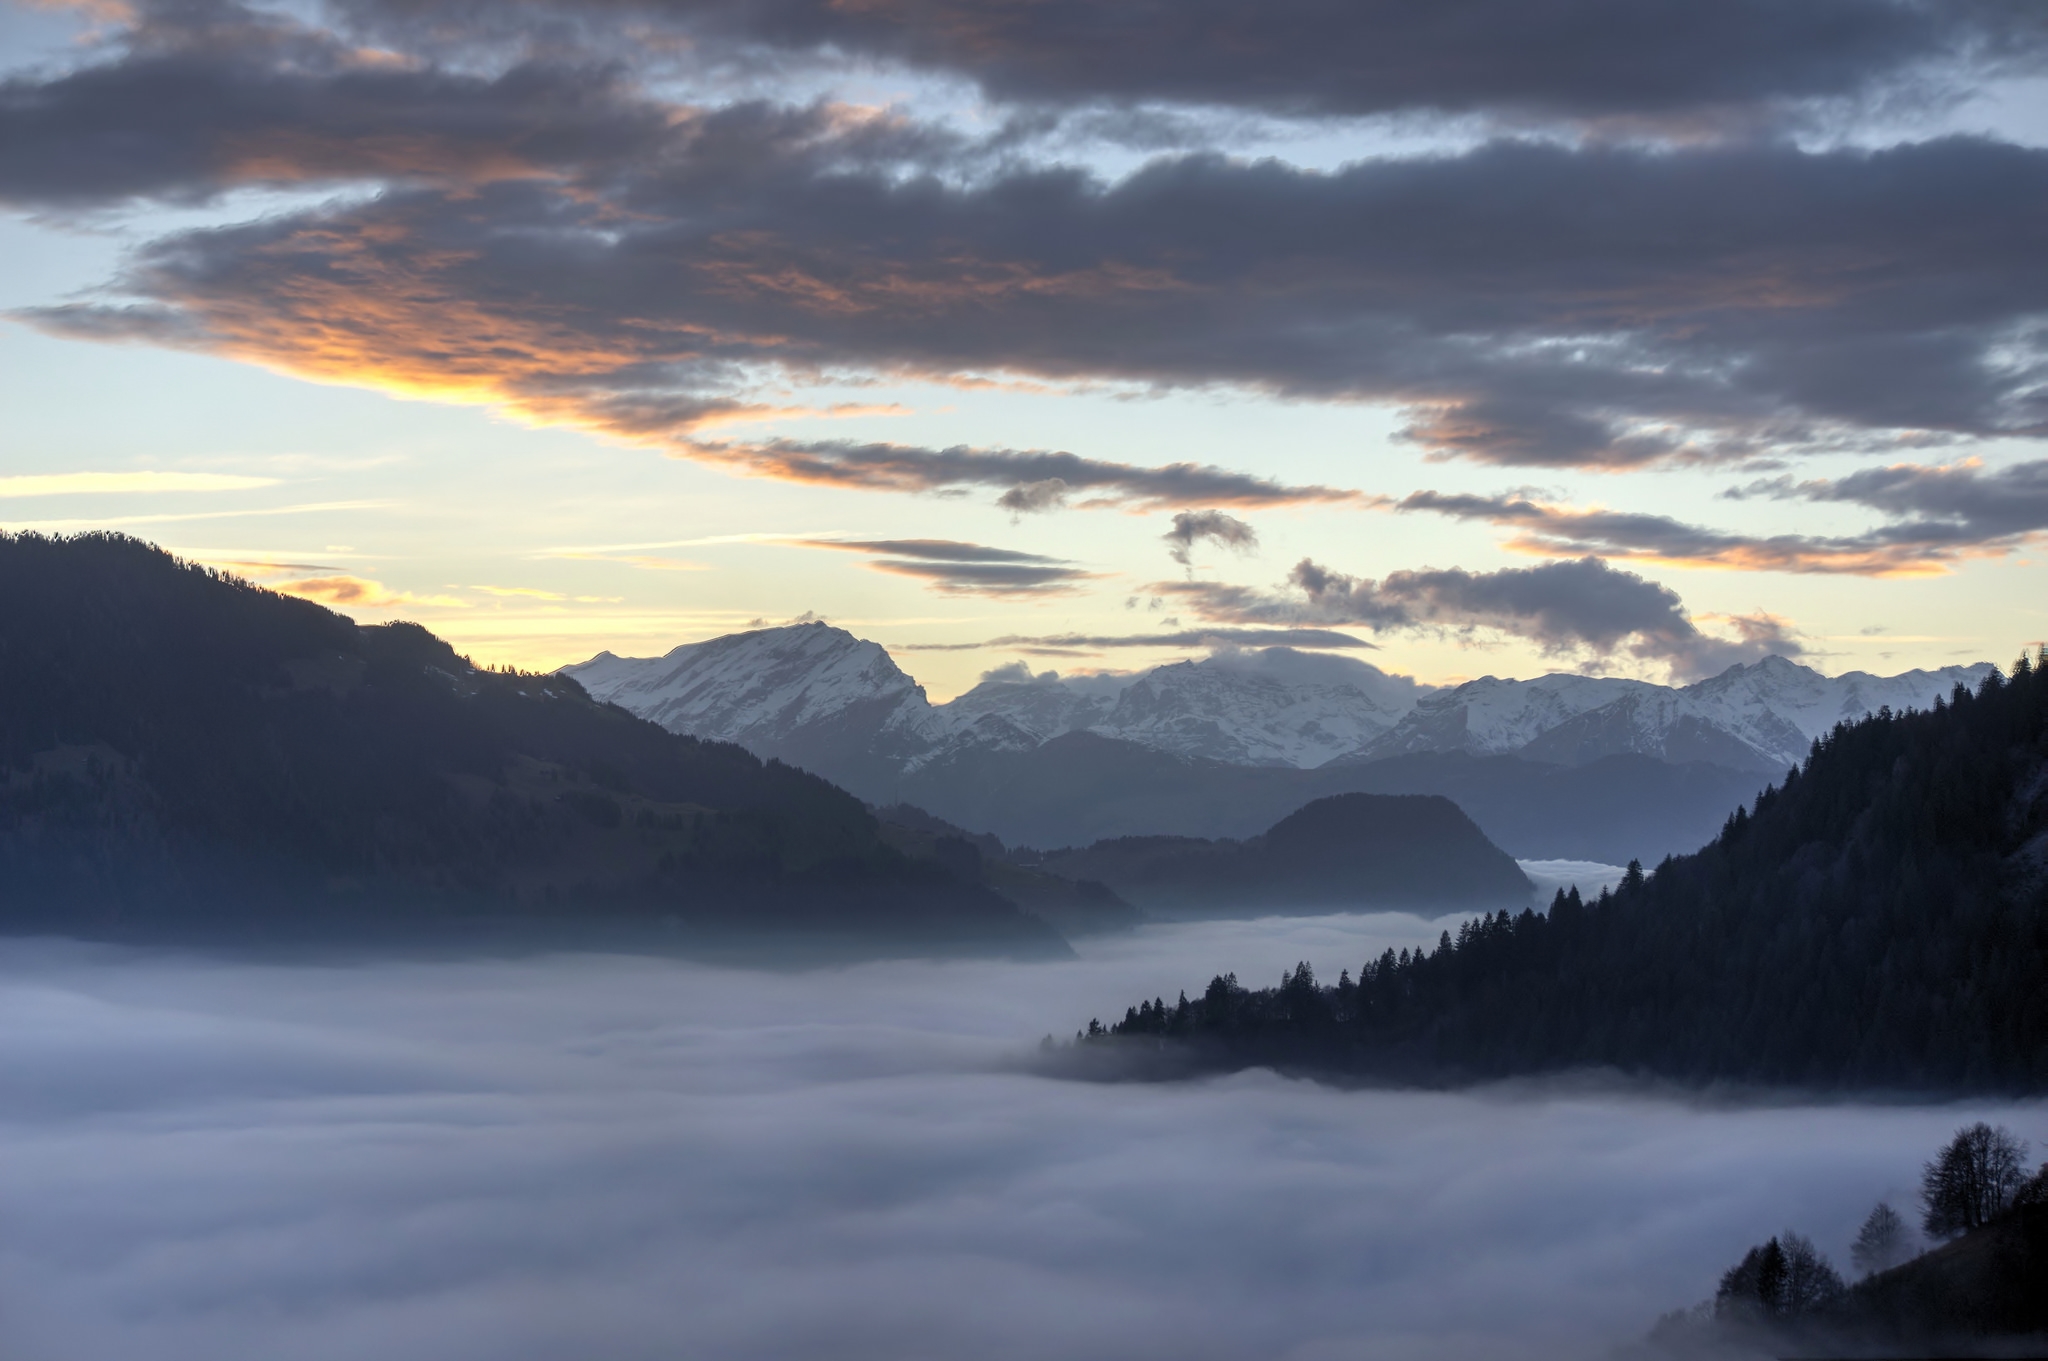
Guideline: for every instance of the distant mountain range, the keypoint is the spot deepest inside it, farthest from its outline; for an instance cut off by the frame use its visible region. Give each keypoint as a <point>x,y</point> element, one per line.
<point>1225,746</point>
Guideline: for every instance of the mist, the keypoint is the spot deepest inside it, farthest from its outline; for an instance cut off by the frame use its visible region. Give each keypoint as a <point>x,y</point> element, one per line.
<point>629,1157</point>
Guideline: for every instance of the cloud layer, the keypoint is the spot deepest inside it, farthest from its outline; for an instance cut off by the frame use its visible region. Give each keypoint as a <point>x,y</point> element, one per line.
<point>553,238</point>
<point>1598,60</point>
<point>1575,608</point>
<point>1934,517</point>
<point>526,1160</point>
<point>962,568</point>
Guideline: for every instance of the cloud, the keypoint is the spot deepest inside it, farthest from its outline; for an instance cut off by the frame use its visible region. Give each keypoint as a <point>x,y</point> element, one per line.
<point>203,98</point>
<point>1575,608</point>
<point>1082,643</point>
<point>1196,526</point>
<point>98,484</point>
<point>1526,302</point>
<point>1937,516</point>
<point>1680,64</point>
<point>963,568</point>
<point>1037,479</point>
<point>345,592</point>
<point>596,1156</point>
<point>1029,498</point>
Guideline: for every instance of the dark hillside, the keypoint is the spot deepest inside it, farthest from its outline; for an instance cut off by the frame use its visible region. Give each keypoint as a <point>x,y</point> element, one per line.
<point>186,756</point>
<point>1879,921</point>
<point>1349,851</point>
<point>1082,787</point>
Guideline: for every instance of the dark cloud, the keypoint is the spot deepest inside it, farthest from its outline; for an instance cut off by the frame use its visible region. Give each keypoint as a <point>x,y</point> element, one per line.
<point>1937,515</point>
<point>1670,62</point>
<point>187,110</point>
<point>596,1156</point>
<point>1078,644</point>
<point>1528,304</point>
<point>1191,527</point>
<point>962,568</point>
<point>1036,479</point>
<point>1581,607</point>
<point>1028,498</point>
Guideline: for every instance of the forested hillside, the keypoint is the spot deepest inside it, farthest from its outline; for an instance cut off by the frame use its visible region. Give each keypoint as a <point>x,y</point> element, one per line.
<point>1878,920</point>
<point>185,756</point>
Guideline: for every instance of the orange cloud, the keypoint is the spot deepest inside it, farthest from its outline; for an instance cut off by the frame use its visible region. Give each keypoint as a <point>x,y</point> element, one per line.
<point>346,591</point>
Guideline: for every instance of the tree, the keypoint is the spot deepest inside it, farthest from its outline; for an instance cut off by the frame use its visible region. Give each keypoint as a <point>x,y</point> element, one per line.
<point>1810,1279</point>
<point>1973,1181</point>
<point>1754,1286</point>
<point>1881,1242</point>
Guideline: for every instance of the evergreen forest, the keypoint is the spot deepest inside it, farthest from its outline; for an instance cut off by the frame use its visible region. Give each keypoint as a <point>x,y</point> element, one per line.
<point>1876,921</point>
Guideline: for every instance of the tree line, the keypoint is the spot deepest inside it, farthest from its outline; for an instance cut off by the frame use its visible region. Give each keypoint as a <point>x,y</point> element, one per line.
<point>1877,919</point>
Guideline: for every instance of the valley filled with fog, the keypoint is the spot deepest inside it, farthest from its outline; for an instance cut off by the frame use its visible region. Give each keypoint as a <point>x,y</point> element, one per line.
<point>635,1157</point>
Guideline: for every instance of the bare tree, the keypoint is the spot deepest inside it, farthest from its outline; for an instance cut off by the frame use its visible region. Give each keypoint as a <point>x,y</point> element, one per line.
<point>1810,1279</point>
<point>1881,1242</point>
<point>1974,1180</point>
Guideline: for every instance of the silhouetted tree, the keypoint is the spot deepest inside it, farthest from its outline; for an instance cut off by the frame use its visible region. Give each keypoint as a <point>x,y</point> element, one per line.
<point>1811,1281</point>
<point>1974,1179</point>
<point>1755,1286</point>
<point>1881,1242</point>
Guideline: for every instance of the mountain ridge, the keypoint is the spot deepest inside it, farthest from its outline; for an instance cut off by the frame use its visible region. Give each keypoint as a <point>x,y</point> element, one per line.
<point>1046,760</point>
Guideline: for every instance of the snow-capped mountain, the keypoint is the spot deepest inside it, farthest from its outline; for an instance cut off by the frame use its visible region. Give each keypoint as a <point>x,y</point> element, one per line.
<point>1492,717</point>
<point>1762,716</point>
<point>1277,707</point>
<point>819,697</point>
<point>809,694</point>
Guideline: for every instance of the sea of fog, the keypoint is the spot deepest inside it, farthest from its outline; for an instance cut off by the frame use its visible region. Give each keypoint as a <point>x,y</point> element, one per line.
<point>620,1158</point>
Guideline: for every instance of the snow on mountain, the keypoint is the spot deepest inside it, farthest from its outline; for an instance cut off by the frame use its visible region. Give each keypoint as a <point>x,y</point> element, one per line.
<point>764,688</point>
<point>820,697</point>
<point>1276,707</point>
<point>1491,716</point>
<point>1041,706</point>
<point>1763,716</point>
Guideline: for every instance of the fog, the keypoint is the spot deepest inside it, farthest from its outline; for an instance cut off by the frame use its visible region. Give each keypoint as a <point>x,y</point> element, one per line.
<point>593,1156</point>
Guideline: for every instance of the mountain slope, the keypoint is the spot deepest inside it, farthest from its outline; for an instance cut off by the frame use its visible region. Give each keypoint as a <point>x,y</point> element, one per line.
<point>184,756</point>
<point>1492,717</point>
<point>808,694</point>
<point>1279,707</point>
<point>1880,921</point>
<point>1082,787</point>
<point>1351,851</point>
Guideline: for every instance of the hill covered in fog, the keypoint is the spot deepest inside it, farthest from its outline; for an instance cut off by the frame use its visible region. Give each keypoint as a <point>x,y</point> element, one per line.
<point>187,757</point>
<point>1878,921</point>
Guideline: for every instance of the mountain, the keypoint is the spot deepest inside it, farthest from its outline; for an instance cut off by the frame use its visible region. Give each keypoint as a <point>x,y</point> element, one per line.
<point>1762,717</point>
<point>1274,707</point>
<point>1074,905</point>
<point>1013,756</point>
<point>1081,787</point>
<point>1877,922</point>
<point>1493,717</point>
<point>809,694</point>
<point>820,697</point>
<point>1400,852</point>
<point>185,757</point>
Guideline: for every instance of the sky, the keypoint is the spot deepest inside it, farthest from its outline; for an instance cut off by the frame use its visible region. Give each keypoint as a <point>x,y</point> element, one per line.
<point>599,1156</point>
<point>1641,337</point>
